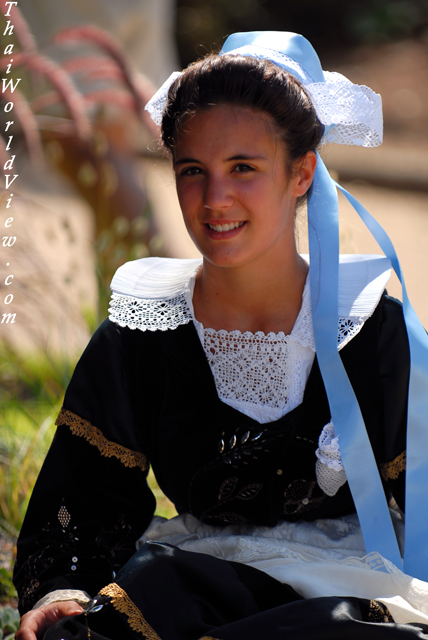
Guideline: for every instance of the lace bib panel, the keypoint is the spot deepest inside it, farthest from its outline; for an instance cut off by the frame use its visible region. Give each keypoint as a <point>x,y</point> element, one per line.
<point>262,375</point>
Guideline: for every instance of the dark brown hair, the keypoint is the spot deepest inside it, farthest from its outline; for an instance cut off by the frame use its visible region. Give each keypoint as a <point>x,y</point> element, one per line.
<point>245,82</point>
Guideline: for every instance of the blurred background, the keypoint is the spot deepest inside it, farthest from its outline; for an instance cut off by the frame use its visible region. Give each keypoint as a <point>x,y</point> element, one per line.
<point>94,191</point>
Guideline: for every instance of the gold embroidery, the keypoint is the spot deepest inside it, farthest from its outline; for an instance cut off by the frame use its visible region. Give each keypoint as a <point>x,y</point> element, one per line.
<point>83,428</point>
<point>379,612</point>
<point>391,470</point>
<point>123,603</point>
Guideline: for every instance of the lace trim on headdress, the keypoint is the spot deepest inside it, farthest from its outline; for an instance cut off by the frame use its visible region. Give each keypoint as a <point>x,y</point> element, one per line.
<point>84,429</point>
<point>354,110</point>
<point>352,113</point>
<point>156,104</point>
<point>123,603</point>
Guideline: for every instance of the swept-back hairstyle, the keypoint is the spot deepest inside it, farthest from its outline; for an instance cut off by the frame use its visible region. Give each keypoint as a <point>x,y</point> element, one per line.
<point>244,81</point>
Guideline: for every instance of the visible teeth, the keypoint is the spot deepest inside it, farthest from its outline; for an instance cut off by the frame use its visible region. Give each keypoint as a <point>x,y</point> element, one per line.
<point>225,227</point>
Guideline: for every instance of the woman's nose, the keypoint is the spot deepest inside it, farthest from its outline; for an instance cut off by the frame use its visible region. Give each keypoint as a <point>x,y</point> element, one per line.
<point>218,193</point>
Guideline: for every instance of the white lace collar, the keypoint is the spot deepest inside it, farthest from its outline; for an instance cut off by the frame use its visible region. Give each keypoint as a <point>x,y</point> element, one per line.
<point>155,294</point>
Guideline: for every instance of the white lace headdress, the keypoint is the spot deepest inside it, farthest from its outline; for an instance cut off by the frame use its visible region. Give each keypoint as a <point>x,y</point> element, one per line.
<point>351,113</point>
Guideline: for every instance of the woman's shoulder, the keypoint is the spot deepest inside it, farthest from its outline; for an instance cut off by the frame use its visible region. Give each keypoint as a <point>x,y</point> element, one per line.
<point>154,278</point>
<point>362,281</point>
<point>153,293</point>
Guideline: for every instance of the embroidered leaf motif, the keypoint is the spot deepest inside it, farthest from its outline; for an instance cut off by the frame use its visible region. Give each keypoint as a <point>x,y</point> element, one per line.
<point>227,488</point>
<point>249,492</point>
<point>232,518</point>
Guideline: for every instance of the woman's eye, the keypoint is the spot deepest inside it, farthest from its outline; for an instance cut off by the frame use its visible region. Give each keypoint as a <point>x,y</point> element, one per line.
<point>191,171</point>
<point>243,168</point>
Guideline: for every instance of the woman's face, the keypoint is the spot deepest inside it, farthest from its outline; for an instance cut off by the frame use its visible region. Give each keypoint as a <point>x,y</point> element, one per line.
<point>237,198</point>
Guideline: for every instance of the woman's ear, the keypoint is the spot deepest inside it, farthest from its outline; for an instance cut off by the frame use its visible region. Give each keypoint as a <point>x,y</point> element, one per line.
<point>304,173</point>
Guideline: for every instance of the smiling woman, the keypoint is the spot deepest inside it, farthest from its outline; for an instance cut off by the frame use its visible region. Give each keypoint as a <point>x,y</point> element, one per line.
<point>241,216</point>
<point>268,392</point>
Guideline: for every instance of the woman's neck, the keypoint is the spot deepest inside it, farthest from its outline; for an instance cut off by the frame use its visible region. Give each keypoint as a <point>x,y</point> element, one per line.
<point>248,298</point>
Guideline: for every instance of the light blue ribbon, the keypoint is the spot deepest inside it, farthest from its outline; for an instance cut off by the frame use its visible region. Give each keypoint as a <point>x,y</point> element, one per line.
<point>416,524</point>
<point>357,455</point>
<point>291,44</point>
<point>355,448</point>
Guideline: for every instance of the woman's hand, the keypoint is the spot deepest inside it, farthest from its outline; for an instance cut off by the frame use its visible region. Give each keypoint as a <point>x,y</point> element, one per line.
<point>36,622</point>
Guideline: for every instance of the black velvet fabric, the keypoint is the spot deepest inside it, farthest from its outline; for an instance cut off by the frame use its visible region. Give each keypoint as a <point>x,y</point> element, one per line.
<point>153,393</point>
<point>187,596</point>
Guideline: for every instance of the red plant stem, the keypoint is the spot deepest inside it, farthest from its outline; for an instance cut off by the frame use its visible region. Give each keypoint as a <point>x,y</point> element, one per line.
<point>113,96</point>
<point>141,94</point>
<point>21,29</point>
<point>88,64</point>
<point>27,122</point>
<point>46,100</point>
<point>65,87</point>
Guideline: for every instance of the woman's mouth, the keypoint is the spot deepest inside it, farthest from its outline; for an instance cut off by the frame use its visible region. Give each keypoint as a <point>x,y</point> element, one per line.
<point>225,227</point>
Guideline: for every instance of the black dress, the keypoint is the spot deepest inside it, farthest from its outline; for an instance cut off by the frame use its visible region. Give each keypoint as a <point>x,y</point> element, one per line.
<point>138,398</point>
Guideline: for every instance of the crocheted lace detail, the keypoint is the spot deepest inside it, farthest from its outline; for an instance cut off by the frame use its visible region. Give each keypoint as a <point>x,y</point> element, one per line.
<point>347,329</point>
<point>123,603</point>
<point>354,110</point>
<point>266,369</point>
<point>258,369</point>
<point>328,448</point>
<point>255,368</point>
<point>152,315</point>
<point>329,468</point>
<point>170,313</point>
<point>84,429</point>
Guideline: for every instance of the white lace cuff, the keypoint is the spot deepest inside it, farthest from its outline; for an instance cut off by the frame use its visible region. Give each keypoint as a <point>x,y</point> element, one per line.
<point>63,595</point>
<point>329,468</point>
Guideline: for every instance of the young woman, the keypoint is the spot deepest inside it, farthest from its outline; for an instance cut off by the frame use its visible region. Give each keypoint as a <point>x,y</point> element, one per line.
<point>224,375</point>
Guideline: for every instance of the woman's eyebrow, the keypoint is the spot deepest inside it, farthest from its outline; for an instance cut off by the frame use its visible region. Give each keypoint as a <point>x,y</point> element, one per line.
<point>186,161</point>
<point>239,156</point>
<point>242,156</point>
